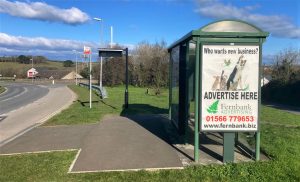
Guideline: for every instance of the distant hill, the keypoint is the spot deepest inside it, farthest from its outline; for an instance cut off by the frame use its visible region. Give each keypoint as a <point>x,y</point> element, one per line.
<point>18,69</point>
<point>9,69</point>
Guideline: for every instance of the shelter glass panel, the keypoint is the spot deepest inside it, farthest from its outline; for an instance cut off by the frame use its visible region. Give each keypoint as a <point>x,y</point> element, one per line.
<point>175,85</point>
<point>191,78</point>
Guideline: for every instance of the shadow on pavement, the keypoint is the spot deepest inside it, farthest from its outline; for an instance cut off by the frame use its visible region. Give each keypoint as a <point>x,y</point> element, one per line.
<point>155,120</point>
<point>142,109</point>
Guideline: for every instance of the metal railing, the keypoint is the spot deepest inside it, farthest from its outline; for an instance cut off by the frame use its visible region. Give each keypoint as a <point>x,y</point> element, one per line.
<point>101,91</point>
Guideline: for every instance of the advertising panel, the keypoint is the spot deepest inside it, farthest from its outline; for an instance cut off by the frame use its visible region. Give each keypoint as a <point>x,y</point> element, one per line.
<point>230,80</point>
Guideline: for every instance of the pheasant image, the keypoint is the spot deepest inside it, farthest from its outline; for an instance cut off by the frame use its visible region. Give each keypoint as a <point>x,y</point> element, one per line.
<point>227,62</point>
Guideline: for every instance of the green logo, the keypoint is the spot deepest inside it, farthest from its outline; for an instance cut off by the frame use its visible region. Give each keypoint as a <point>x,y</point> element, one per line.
<point>246,88</point>
<point>214,107</point>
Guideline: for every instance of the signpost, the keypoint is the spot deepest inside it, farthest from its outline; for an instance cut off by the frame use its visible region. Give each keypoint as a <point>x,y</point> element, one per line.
<point>88,51</point>
<point>109,52</point>
<point>230,88</point>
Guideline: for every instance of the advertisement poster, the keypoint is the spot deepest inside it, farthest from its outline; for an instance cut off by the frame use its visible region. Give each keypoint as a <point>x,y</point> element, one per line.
<point>230,75</point>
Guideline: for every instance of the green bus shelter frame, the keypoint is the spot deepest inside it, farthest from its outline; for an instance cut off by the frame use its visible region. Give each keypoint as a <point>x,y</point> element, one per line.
<point>224,32</point>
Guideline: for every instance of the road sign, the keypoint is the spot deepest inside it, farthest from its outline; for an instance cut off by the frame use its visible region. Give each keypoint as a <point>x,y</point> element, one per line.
<point>110,52</point>
<point>86,50</point>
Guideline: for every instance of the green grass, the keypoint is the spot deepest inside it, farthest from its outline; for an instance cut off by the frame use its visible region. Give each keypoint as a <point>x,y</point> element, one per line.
<point>272,115</point>
<point>80,113</point>
<point>2,89</point>
<point>280,142</point>
<point>15,68</point>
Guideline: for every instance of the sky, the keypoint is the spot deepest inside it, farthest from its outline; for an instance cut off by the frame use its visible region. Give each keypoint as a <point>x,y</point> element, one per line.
<point>54,28</point>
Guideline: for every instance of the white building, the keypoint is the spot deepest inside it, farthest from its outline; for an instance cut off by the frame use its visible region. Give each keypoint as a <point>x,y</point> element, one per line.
<point>31,73</point>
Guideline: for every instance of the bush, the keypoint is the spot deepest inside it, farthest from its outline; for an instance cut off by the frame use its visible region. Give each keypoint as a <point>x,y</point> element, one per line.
<point>280,92</point>
<point>68,63</point>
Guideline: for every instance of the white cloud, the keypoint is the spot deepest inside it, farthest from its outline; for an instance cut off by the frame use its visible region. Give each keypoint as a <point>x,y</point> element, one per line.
<point>19,42</point>
<point>52,48</point>
<point>44,12</point>
<point>277,25</point>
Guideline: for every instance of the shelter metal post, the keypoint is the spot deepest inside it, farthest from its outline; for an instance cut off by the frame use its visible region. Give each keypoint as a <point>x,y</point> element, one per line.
<point>126,89</point>
<point>197,73</point>
<point>257,146</point>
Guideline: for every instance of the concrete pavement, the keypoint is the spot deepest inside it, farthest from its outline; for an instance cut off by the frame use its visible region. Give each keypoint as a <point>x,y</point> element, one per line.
<point>120,143</point>
<point>23,119</point>
<point>116,143</point>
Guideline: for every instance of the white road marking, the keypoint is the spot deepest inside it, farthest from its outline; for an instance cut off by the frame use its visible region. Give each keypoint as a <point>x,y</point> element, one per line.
<point>23,92</point>
<point>74,161</point>
<point>4,91</point>
<point>125,170</point>
<point>39,152</point>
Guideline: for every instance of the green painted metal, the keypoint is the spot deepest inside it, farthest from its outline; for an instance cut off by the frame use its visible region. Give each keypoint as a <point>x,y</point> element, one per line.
<point>203,34</point>
<point>228,40</point>
<point>228,147</point>
<point>197,81</point>
<point>170,88</point>
<point>257,136</point>
<point>236,139</point>
<point>257,146</point>
<point>186,105</point>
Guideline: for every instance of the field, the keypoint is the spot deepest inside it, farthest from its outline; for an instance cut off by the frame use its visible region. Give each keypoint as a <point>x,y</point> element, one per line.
<point>15,68</point>
<point>280,136</point>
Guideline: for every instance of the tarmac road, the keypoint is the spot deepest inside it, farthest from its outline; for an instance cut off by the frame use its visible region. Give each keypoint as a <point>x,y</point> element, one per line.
<point>19,94</point>
<point>26,106</point>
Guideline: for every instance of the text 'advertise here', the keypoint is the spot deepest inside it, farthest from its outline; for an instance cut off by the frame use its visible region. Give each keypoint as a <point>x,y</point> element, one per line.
<point>230,87</point>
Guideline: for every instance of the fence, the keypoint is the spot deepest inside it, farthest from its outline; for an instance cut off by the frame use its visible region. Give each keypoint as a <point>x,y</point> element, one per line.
<point>101,91</point>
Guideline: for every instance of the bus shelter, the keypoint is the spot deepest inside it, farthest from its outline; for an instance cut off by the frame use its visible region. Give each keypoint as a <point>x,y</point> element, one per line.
<point>214,81</point>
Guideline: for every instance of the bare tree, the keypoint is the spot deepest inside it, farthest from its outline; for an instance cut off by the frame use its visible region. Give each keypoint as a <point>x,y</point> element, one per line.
<point>286,66</point>
<point>151,64</point>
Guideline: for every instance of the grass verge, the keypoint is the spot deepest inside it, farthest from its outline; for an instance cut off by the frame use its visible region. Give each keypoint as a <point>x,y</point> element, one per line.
<point>80,113</point>
<point>2,89</point>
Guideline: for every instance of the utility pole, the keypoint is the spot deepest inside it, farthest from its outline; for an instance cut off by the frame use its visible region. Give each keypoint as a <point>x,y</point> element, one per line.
<point>111,36</point>
<point>90,80</point>
<point>75,67</point>
<point>101,35</point>
<point>126,76</point>
<point>32,69</point>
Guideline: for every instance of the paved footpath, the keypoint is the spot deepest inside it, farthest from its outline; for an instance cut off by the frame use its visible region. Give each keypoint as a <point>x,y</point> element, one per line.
<point>24,119</point>
<point>116,143</point>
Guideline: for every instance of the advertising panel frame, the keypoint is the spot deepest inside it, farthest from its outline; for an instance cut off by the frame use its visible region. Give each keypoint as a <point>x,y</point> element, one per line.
<point>229,42</point>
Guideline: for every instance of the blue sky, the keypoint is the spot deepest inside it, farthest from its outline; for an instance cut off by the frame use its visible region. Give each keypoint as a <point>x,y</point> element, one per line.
<point>54,28</point>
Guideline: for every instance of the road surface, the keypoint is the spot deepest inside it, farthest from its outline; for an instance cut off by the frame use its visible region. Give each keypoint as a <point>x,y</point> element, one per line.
<point>28,106</point>
<point>18,95</point>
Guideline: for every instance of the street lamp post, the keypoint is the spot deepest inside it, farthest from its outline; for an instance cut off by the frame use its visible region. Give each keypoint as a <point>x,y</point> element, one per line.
<point>32,73</point>
<point>75,66</point>
<point>101,34</point>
